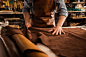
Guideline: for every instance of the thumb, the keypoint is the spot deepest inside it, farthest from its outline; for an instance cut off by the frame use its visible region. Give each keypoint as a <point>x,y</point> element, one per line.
<point>27,26</point>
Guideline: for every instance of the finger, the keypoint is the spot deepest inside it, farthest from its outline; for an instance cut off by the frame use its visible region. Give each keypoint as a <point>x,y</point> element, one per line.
<point>63,32</point>
<point>57,33</point>
<point>28,27</point>
<point>54,32</point>
<point>50,30</point>
<point>52,15</point>
<point>28,31</point>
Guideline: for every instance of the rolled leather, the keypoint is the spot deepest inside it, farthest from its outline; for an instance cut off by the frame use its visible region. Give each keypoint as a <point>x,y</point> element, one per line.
<point>27,47</point>
<point>12,48</point>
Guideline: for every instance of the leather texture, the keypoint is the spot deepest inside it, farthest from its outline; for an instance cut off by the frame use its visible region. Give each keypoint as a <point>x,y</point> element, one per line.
<point>3,52</point>
<point>19,45</point>
<point>71,44</point>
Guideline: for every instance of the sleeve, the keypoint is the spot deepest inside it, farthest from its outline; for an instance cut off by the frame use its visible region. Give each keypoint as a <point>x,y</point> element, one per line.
<point>27,5</point>
<point>62,10</point>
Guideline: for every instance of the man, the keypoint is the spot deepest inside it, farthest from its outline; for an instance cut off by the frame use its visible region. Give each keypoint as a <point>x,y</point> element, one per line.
<point>43,14</point>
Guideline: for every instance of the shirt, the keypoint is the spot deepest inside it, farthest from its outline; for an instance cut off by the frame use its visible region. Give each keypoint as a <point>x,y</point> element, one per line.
<point>41,8</point>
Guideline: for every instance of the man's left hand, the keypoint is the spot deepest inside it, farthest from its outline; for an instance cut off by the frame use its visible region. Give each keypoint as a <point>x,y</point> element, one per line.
<point>57,31</point>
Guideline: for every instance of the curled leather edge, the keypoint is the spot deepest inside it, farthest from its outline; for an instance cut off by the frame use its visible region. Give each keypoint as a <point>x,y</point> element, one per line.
<point>6,47</point>
<point>25,45</point>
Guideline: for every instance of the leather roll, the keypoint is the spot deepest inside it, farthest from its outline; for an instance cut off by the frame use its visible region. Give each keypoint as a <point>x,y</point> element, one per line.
<point>27,47</point>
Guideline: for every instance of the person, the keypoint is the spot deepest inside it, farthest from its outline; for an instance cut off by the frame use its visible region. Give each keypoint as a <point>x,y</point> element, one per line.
<point>43,14</point>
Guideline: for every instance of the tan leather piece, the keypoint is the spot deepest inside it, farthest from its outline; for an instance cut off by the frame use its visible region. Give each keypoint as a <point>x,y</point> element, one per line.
<point>25,44</point>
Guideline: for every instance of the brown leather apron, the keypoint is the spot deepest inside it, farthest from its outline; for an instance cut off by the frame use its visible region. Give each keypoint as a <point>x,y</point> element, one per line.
<point>42,13</point>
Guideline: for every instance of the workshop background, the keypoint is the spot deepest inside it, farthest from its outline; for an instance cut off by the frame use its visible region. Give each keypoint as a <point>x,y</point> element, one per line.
<point>11,11</point>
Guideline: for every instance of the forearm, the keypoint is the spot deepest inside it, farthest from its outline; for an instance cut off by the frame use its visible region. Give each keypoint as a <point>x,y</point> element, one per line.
<point>62,9</point>
<point>61,20</point>
<point>26,17</point>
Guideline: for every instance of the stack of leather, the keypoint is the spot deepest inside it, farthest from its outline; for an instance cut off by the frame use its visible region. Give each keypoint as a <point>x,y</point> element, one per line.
<point>71,44</point>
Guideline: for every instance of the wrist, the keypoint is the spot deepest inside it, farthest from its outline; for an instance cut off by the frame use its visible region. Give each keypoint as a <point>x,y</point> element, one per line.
<point>58,25</point>
<point>27,22</point>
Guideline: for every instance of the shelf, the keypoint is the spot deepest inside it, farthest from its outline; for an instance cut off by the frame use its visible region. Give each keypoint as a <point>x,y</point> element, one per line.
<point>4,7</point>
<point>11,18</point>
<point>78,17</point>
<point>75,2</point>
<point>15,26</point>
<point>76,11</point>
<point>17,12</point>
<point>10,12</point>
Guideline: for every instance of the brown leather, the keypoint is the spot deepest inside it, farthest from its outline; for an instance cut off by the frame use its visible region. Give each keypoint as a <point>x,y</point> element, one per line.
<point>22,43</point>
<point>71,44</point>
<point>13,50</point>
<point>27,33</point>
<point>11,31</point>
<point>3,52</point>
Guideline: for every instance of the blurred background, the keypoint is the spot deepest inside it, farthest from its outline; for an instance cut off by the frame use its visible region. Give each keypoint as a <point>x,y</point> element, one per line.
<point>11,11</point>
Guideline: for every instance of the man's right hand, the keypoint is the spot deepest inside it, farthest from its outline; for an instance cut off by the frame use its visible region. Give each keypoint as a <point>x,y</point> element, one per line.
<point>28,25</point>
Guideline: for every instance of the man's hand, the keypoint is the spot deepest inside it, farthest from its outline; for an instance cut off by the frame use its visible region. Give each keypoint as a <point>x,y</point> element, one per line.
<point>57,31</point>
<point>28,25</point>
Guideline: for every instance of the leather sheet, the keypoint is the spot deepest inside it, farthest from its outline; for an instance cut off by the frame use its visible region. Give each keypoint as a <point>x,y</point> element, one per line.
<point>14,50</point>
<point>71,44</point>
<point>27,48</point>
<point>2,50</point>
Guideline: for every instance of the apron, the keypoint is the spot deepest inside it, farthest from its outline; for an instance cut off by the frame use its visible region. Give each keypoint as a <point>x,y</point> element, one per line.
<point>43,10</point>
